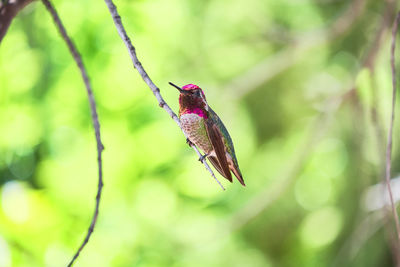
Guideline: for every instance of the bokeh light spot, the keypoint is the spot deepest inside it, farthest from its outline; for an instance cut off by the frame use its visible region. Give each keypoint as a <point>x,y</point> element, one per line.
<point>330,158</point>
<point>312,191</point>
<point>321,227</point>
<point>15,202</point>
<point>22,163</point>
<point>20,126</point>
<point>5,255</point>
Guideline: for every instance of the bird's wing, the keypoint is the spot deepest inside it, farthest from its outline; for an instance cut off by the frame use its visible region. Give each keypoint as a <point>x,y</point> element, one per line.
<point>217,142</point>
<point>232,161</point>
<point>215,163</point>
<point>235,169</point>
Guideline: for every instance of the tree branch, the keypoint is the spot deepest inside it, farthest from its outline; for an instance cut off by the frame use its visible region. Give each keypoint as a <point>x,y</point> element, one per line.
<point>95,120</point>
<point>390,134</point>
<point>8,11</point>
<point>156,91</point>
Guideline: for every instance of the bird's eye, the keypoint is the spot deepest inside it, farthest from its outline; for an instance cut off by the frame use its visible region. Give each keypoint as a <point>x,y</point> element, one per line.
<point>198,93</point>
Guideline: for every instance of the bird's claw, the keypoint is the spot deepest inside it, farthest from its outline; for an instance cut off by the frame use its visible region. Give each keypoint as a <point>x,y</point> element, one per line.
<point>203,157</point>
<point>189,142</point>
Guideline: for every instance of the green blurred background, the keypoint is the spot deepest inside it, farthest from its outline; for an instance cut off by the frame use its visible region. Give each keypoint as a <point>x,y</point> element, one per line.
<point>302,85</point>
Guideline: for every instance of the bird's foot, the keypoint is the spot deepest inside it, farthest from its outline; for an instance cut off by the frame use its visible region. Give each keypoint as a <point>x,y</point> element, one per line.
<point>203,157</point>
<point>189,142</point>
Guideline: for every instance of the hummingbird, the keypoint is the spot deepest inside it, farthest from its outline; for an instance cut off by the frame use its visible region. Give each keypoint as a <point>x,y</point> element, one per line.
<point>205,129</point>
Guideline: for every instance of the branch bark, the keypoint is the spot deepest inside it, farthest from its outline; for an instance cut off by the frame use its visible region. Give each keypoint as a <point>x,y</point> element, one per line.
<point>156,91</point>
<point>75,54</point>
<point>8,11</point>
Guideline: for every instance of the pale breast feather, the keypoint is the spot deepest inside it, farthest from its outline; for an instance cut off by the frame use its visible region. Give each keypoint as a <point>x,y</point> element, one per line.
<point>194,127</point>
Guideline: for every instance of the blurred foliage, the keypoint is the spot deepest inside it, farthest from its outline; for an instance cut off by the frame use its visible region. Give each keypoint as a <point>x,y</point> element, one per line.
<point>308,149</point>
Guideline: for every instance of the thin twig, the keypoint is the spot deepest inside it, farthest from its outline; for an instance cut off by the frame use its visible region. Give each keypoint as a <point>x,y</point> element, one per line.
<point>95,120</point>
<point>390,134</point>
<point>369,62</point>
<point>156,91</point>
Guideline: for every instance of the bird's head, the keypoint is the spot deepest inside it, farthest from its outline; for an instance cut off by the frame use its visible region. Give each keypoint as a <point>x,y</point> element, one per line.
<point>191,96</point>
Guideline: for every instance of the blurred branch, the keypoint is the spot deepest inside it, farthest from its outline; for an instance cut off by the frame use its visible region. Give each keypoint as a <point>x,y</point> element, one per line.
<point>375,202</point>
<point>21,246</point>
<point>373,198</point>
<point>8,10</point>
<point>390,134</point>
<point>387,17</point>
<point>364,231</point>
<point>95,120</point>
<point>266,197</point>
<point>156,91</point>
<point>369,62</point>
<point>281,61</point>
<point>263,199</point>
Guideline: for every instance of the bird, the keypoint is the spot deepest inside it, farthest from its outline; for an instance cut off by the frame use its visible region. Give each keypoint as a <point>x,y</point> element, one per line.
<point>205,129</point>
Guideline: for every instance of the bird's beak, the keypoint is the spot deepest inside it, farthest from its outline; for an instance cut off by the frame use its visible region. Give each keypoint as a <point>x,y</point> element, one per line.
<point>179,89</point>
